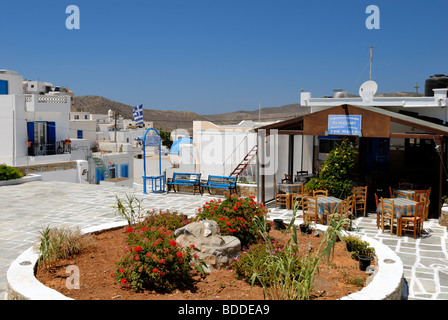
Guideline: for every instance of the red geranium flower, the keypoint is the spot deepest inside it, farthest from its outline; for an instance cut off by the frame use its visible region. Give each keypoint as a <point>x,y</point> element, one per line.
<point>129,230</point>
<point>155,270</point>
<point>123,280</point>
<point>138,249</point>
<point>179,254</point>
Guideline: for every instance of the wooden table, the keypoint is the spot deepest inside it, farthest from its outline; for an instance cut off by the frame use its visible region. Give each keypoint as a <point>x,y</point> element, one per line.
<point>409,194</point>
<point>326,205</point>
<point>402,207</point>
<point>290,188</point>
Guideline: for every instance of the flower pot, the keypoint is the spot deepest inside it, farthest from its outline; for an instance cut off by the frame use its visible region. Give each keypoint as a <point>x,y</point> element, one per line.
<point>364,262</point>
<point>278,224</point>
<point>304,229</point>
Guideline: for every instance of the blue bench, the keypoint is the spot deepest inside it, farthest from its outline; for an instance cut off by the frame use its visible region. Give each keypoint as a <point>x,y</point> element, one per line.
<point>220,182</point>
<point>184,179</point>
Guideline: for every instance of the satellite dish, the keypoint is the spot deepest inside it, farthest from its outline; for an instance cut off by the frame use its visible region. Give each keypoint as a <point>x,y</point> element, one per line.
<point>368,88</point>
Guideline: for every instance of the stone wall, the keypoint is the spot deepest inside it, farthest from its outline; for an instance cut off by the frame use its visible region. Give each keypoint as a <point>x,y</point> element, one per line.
<point>243,190</point>
<point>57,166</point>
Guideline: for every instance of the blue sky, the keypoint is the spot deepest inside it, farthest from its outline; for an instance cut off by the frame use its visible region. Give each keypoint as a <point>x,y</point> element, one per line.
<point>216,56</point>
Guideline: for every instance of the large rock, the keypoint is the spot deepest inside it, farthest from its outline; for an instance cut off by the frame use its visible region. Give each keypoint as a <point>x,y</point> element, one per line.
<point>217,251</point>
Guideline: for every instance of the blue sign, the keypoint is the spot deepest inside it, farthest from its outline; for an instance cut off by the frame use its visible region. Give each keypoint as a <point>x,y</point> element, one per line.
<point>152,141</point>
<point>344,125</point>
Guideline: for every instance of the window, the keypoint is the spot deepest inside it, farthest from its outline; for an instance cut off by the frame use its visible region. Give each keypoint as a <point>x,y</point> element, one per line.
<point>85,117</point>
<point>327,144</point>
<point>79,135</point>
<point>77,117</point>
<point>3,87</point>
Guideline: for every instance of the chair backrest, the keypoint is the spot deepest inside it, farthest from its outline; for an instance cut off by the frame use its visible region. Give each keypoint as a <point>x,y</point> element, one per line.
<point>349,204</point>
<point>421,195</point>
<point>317,193</point>
<point>287,178</point>
<point>391,192</point>
<point>376,200</point>
<point>360,193</point>
<point>387,207</point>
<point>419,209</point>
<point>309,204</point>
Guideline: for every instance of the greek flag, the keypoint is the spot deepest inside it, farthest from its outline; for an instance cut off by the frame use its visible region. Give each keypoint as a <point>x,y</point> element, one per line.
<point>137,112</point>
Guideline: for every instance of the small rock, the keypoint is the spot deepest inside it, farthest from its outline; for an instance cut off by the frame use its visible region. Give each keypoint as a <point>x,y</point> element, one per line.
<point>116,297</point>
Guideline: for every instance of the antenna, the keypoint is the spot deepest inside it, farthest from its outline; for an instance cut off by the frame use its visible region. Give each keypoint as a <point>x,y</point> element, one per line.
<point>416,87</point>
<point>371,59</point>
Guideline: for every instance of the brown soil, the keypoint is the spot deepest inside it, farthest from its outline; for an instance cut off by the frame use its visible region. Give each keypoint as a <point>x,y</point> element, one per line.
<point>97,264</point>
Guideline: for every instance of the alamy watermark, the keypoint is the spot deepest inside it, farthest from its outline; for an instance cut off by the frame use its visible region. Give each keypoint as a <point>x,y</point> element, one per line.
<point>373,20</point>
<point>73,20</point>
<point>73,281</point>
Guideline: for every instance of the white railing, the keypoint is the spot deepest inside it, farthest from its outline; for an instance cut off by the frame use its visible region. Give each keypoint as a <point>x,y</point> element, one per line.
<point>46,98</point>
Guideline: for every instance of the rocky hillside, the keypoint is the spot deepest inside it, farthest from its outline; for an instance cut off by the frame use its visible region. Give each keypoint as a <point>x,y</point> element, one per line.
<point>170,120</point>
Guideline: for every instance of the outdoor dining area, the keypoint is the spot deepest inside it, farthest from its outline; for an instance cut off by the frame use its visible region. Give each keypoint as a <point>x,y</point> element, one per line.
<point>404,210</point>
<point>317,206</point>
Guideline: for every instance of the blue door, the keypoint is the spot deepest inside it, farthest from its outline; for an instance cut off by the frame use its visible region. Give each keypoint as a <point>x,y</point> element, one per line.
<point>124,170</point>
<point>98,176</point>
<point>30,129</point>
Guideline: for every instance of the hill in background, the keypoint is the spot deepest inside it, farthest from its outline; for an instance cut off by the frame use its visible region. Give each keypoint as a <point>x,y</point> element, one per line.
<point>170,120</point>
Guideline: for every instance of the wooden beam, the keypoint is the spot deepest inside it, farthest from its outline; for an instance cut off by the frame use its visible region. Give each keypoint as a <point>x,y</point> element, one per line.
<point>417,136</point>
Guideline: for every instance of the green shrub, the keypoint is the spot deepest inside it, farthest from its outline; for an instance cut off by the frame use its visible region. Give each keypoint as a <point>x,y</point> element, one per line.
<point>9,173</point>
<point>358,247</point>
<point>334,175</point>
<point>235,217</point>
<point>171,220</point>
<point>60,243</point>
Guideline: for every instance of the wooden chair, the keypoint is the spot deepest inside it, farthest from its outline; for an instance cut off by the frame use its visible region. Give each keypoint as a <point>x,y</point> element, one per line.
<point>420,195</point>
<point>360,194</point>
<point>287,179</point>
<point>391,192</point>
<point>388,213</point>
<point>317,193</point>
<point>309,208</point>
<point>349,209</point>
<point>377,203</point>
<point>298,196</point>
<point>281,199</point>
<point>414,223</point>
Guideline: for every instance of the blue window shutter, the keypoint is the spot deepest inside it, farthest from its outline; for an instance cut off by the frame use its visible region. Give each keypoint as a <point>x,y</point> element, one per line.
<point>79,134</point>
<point>3,87</point>
<point>30,128</point>
<point>124,170</point>
<point>51,127</point>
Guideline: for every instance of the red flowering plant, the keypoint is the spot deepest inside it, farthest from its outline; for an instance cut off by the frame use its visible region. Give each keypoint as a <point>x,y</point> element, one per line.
<point>234,216</point>
<point>153,260</point>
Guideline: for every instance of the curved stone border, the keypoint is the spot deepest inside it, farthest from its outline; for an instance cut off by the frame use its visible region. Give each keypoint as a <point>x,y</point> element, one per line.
<point>387,282</point>
<point>27,178</point>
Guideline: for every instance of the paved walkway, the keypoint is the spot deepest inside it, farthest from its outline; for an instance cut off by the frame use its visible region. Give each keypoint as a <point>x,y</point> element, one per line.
<point>29,207</point>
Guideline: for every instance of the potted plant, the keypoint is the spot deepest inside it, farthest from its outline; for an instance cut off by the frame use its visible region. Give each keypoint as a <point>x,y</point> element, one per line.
<point>305,227</point>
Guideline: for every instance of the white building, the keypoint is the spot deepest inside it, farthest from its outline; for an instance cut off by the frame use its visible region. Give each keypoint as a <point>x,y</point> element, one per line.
<point>35,126</point>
